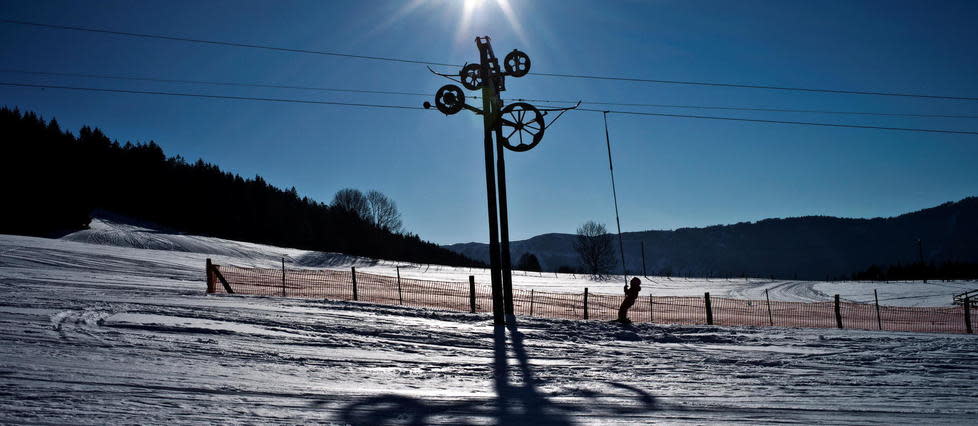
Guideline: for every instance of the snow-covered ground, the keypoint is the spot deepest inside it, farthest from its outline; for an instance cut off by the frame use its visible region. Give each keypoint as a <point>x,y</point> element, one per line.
<point>109,333</point>
<point>106,232</point>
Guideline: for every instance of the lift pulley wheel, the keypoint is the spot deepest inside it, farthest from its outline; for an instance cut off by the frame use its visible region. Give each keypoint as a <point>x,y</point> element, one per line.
<point>517,63</point>
<point>450,99</point>
<point>522,126</point>
<point>471,76</point>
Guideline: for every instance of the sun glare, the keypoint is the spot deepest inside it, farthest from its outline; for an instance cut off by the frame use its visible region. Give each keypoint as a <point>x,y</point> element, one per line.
<point>471,7</point>
<point>468,9</point>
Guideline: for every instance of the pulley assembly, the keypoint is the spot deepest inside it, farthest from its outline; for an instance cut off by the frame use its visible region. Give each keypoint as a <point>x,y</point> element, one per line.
<point>522,125</point>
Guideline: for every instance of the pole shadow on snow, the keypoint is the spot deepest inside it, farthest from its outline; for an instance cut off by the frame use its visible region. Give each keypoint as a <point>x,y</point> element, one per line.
<point>519,402</point>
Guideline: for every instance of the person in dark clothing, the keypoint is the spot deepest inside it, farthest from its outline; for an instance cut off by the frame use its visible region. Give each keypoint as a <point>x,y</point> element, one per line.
<point>631,294</point>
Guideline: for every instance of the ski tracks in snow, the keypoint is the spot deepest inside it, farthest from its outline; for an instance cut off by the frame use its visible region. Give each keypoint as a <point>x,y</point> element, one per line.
<point>95,335</point>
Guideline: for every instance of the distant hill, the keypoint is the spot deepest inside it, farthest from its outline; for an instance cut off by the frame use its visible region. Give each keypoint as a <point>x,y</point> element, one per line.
<point>52,181</point>
<point>811,247</point>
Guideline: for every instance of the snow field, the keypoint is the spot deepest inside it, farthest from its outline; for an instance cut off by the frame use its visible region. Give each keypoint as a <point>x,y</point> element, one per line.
<point>97,334</point>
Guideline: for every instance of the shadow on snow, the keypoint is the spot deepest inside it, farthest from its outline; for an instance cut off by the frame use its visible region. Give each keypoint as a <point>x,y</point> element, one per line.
<point>515,403</point>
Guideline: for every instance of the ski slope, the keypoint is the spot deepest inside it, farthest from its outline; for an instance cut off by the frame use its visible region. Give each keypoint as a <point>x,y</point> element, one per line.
<point>114,333</point>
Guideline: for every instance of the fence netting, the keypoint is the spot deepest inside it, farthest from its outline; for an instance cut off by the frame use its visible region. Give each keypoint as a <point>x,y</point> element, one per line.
<point>350,285</point>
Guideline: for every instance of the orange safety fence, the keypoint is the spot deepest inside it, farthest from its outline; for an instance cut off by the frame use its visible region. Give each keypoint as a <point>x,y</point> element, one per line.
<point>473,297</point>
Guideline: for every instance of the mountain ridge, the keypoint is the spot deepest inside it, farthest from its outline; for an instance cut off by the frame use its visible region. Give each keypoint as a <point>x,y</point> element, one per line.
<point>806,247</point>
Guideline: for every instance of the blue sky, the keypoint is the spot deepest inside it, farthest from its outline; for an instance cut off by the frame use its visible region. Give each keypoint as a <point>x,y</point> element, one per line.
<point>671,172</point>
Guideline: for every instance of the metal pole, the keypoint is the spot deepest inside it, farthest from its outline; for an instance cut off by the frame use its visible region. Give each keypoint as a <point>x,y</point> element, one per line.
<point>507,269</point>
<point>283,277</point>
<point>488,93</point>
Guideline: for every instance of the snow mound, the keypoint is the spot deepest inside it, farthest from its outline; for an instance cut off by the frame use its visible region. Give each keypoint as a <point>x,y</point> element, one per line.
<point>318,259</point>
<point>119,232</point>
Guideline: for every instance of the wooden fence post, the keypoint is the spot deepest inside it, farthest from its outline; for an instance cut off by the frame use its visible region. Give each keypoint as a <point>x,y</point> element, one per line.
<point>400,297</point>
<point>211,285</point>
<point>531,302</point>
<point>967,314</point>
<point>838,312</point>
<point>472,293</point>
<point>220,276</point>
<point>770,316</point>
<point>709,309</point>
<point>283,277</point>
<point>585,303</point>
<point>354,275</point>
<point>879,319</point>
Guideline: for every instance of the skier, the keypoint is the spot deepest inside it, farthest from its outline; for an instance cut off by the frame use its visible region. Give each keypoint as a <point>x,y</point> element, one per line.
<point>631,294</point>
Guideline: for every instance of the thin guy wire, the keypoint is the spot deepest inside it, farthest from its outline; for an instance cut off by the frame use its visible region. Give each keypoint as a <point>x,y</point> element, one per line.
<point>614,192</point>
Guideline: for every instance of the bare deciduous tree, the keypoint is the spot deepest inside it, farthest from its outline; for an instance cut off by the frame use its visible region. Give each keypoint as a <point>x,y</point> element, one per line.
<point>353,201</point>
<point>383,212</point>
<point>374,207</point>
<point>595,249</point>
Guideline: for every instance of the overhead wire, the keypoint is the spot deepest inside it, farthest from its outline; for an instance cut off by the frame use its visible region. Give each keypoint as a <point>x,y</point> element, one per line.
<point>753,109</point>
<point>758,86</point>
<point>224,43</point>
<point>214,83</point>
<point>637,113</point>
<point>405,93</point>
<point>427,62</point>
<point>801,123</point>
<point>201,95</point>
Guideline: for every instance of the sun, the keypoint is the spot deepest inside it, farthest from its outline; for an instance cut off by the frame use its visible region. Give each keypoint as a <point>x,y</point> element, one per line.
<point>469,9</point>
<point>468,17</point>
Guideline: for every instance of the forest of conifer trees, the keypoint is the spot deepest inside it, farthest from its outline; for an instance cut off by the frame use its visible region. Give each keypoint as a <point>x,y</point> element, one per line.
<point>53,180</point>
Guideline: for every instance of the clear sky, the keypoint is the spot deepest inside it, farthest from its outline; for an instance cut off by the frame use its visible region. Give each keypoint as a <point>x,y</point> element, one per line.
<point>671,172</point>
